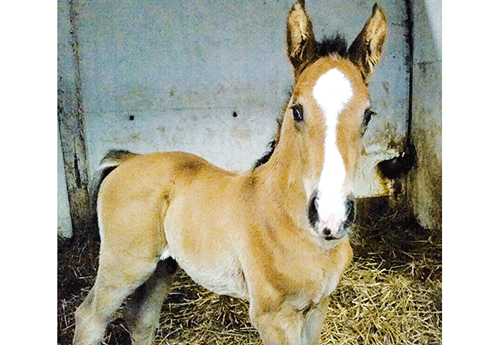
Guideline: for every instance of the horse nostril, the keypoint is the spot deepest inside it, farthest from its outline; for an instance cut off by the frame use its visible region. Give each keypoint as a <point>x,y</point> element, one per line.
<point>313,211</point>
<point>350,210</point>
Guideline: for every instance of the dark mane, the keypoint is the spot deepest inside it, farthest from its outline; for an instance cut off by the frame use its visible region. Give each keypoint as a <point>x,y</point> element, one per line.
<point>335,45</point>
<point>331,45</point>
<point>272,146</point>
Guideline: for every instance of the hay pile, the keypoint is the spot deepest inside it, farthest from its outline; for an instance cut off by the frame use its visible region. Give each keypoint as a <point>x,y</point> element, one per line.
<point>391,294</point>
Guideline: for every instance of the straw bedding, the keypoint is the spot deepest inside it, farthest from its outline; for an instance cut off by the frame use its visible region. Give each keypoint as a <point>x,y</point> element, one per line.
<point>391,294</point>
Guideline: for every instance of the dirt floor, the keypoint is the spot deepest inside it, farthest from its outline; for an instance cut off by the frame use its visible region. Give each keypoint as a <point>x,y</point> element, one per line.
<point>391,294</point>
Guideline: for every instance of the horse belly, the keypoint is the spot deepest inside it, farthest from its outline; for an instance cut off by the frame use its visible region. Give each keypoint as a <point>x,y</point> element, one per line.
<point>226,279</point>
<point>205,252</point>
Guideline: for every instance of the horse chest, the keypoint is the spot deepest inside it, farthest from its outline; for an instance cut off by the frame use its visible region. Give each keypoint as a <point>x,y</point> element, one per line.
<point>313,294</point>
<point>306,276</point>
<point>316,287</point>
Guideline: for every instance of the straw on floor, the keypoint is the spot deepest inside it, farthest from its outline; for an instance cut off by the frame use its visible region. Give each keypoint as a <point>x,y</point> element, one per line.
<point>391,294</point>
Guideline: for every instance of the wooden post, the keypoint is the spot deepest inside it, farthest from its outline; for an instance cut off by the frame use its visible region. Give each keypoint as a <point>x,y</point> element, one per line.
<point>70,121</point>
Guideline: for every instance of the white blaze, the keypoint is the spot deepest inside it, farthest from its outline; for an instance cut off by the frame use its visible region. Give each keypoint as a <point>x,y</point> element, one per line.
<point>332,92</point>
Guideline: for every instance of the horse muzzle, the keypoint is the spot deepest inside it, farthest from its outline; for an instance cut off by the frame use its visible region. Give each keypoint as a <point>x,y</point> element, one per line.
<point>337,224</point>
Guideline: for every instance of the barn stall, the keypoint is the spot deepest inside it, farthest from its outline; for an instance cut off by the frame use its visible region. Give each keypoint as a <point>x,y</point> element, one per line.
<point>211,79</point>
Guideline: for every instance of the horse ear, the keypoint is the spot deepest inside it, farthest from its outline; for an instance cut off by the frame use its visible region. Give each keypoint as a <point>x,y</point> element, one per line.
<point>366,49</point>
<point>300,37</point>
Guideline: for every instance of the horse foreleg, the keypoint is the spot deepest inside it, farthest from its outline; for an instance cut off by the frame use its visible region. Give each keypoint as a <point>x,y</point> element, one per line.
<point>285,324</point>
<point>280,325</point>
<point>314,319</point>
<point>144,306</point>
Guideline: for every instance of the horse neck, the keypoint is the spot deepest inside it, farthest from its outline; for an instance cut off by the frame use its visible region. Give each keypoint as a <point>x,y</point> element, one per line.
<point>281,183</point>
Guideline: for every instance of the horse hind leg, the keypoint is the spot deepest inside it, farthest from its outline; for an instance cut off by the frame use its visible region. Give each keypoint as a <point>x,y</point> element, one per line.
<point>144,306</point>
<point>115,281</point>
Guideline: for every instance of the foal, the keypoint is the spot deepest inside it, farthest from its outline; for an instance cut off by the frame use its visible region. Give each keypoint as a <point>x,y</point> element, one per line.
<point>276,235</point>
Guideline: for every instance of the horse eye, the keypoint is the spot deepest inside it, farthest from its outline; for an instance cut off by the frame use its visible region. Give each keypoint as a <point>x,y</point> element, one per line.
<point>368,116</point>
<point>298,113</point>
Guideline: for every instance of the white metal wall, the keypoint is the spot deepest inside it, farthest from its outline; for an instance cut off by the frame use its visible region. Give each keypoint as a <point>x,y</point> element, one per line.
<point>211,77</point>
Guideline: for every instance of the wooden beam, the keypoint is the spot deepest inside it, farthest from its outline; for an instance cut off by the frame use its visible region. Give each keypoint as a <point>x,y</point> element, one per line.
<point>71,131</point>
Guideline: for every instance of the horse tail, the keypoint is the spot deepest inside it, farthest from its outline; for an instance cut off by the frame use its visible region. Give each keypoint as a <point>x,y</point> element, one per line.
<point>111,161</point>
